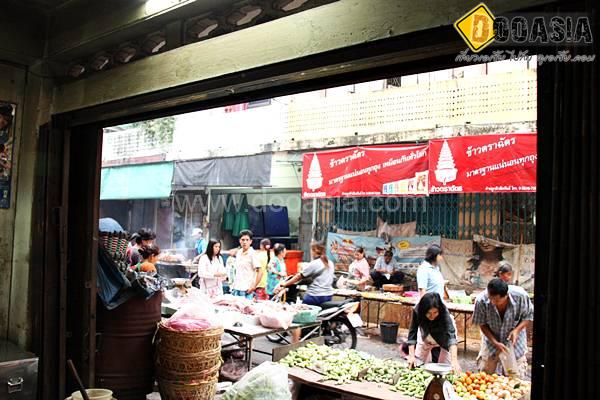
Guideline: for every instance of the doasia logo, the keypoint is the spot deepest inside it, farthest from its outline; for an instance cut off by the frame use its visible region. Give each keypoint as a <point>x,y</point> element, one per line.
<point>480,28</point>
<point>527,29</point>
<point>476,27</point>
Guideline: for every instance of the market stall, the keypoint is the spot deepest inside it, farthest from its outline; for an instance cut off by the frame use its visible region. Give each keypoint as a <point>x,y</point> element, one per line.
<point>244,321</point>
<point>364,390</point>
<point>245,335</point>
<point>349,372</point>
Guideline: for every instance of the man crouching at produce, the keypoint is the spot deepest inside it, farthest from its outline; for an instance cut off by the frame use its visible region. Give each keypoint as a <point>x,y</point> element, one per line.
<point>432,326</point>
<point>503,315</point>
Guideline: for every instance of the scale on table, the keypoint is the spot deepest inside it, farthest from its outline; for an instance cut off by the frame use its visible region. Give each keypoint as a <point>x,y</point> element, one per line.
<point>439,388</point>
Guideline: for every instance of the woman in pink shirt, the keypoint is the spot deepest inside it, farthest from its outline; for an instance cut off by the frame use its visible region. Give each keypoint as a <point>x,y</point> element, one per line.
<point>359,270</point>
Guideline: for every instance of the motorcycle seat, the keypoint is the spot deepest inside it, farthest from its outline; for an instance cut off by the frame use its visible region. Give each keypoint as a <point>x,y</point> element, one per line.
<point>334,303</point>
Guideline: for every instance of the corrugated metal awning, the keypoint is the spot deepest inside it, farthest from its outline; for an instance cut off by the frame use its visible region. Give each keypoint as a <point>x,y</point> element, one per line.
<point>142,181</point>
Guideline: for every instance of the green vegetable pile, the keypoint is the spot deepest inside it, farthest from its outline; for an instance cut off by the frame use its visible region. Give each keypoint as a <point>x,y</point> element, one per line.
<point>343,366</point>
<point>340,366</point>
<point>412,382</point>
<point>384,371</point>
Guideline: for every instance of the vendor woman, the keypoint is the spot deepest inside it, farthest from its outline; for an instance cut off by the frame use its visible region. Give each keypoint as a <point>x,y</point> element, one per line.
<point>321,271</point>
<point>432,326</point>
<point>359,270</point>
<point>211,270</point>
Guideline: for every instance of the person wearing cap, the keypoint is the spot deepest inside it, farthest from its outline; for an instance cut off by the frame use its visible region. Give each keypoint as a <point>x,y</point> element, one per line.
<point>201,244</point>
<point>386,270</point>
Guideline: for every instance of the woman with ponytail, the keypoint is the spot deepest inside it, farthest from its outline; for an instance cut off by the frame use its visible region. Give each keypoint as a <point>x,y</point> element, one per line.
<point>264,256</point>
<point>321,271</point>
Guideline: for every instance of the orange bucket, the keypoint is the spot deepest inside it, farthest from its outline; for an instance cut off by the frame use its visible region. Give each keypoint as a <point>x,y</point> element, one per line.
<point>292,258</point>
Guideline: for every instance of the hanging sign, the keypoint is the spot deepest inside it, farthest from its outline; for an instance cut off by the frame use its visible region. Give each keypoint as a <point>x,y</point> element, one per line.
<point>483,164</point>
<point>394,170</point>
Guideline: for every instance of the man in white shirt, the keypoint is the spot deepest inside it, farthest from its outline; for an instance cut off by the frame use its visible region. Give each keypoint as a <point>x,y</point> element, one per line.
<point>247,268</point>
<point>386,270</point>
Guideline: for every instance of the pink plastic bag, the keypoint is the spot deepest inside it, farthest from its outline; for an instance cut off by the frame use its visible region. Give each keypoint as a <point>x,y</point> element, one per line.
<point>188,325</point>
<point>278,320</point>
<point>194,317</point>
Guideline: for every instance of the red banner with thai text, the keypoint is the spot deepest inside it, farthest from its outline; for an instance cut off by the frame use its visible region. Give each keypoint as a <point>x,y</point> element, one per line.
<point>389,170</point>
<point>483,164</point>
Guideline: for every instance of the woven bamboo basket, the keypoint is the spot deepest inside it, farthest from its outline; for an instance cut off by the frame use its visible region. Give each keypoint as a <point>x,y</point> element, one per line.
<point>187,366</point>
<point>162,373</point>
<point>188,342</point>
<point>196,390</point>
<point>393,288</point>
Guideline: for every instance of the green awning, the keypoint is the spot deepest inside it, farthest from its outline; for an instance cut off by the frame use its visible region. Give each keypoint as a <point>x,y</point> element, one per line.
<point>141,181</point>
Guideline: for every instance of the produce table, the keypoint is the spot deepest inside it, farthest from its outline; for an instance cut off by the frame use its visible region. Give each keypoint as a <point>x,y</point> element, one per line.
<point>362,390</point>
<point>249,330</point>
<point>454,308</point>
<point>379,302</point>
<point>245,335</point>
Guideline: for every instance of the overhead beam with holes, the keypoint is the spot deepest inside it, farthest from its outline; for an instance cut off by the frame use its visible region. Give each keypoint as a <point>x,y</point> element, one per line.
<point>327,28</point>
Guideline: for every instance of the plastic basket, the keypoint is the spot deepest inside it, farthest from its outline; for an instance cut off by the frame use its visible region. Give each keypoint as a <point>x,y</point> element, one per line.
<point>307,316</point>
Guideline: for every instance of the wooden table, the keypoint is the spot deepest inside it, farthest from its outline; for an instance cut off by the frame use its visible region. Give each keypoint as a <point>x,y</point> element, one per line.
<point>245,335</point>
<point>455,309</point>
<point>362,390</point>
<point>380,302</point>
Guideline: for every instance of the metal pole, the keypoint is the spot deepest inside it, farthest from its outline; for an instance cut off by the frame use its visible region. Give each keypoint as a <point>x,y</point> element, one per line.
<point>314,218</point>
<point>208,211</point>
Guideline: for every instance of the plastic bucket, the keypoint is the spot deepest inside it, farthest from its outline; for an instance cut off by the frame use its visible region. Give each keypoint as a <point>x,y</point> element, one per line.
<point>389,332</point>
<point>292,258</point>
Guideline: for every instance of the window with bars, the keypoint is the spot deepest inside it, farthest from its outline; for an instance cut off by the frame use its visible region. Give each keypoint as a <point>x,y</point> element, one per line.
<point>508,217</point>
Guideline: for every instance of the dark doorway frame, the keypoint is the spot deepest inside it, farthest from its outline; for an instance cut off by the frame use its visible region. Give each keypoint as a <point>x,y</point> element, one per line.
<point>419,52</point>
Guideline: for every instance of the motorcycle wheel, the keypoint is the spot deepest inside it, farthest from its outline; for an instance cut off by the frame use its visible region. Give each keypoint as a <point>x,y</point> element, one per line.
<point>339,333</point>
<point>275,338</point>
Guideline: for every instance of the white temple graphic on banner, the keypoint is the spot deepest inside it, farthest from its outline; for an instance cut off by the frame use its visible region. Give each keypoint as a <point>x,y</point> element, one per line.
<point>445,170</point>
<point>314,180</point>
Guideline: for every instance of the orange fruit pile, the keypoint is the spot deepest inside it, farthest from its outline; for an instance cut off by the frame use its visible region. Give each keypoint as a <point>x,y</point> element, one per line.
<point>482,386</point>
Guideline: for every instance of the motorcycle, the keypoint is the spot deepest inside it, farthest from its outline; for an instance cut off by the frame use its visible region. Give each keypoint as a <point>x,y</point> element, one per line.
<point>339,321</point>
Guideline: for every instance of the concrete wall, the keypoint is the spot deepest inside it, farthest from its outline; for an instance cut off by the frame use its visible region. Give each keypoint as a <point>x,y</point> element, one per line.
<point>33,97</point>
<point>12,88</point>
